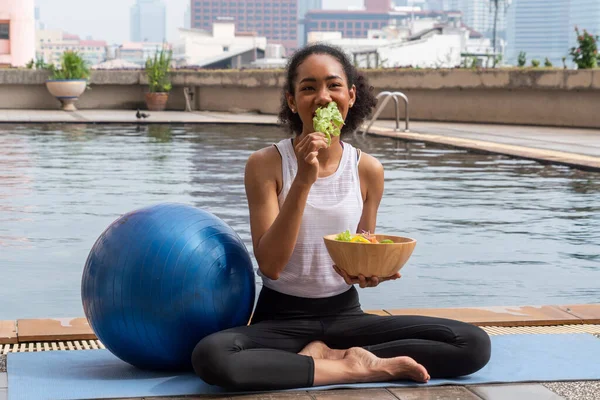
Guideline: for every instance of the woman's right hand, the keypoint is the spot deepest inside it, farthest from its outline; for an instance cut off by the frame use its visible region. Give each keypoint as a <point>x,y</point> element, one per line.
<point>307,149</point>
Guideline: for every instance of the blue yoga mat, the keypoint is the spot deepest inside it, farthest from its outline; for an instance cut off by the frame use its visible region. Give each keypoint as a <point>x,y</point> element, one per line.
<point>98,374</point>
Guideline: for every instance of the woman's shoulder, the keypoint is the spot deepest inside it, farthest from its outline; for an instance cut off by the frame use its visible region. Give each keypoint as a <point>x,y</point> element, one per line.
<point>263,164</point>
<point>370,168</point>
<point>266,156</point>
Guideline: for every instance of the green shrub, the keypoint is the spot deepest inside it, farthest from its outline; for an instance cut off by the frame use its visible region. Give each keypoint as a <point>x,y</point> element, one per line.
<point>72,66</point>
<point>157,71</point>
<point>522,60</point>
<point>585,55</point>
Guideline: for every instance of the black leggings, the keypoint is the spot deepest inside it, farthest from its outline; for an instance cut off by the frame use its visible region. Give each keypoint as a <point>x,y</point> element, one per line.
<point>263,355</point>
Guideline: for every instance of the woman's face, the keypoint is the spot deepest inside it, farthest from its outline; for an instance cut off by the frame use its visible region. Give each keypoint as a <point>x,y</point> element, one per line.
<point>320,79</point>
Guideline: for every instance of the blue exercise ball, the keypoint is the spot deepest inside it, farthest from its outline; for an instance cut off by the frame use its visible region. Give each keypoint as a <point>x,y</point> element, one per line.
<point>161,278</point>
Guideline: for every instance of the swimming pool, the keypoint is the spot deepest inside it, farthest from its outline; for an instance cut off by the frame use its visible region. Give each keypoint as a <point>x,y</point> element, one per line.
<point>491,230</point>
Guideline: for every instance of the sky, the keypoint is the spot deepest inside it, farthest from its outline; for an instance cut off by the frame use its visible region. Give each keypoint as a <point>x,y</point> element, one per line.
<point>109,19</point>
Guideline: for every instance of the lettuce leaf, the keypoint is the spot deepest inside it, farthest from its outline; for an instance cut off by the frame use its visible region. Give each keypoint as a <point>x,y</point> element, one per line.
<point>345,236</point>
<point>328,120</point>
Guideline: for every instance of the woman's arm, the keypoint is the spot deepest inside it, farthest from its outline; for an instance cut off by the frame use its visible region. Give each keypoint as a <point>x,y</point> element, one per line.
<point>275,230</point>
<point>371,176</point>
<point>371,183</point>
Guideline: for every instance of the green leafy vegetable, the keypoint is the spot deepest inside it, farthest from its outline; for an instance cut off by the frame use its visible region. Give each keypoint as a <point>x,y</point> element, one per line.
<point>328,120</point>
<point>386,241</point>
<point>344,236</point>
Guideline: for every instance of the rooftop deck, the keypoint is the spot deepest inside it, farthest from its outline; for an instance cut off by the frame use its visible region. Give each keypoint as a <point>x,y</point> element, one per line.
<point>575,147</point>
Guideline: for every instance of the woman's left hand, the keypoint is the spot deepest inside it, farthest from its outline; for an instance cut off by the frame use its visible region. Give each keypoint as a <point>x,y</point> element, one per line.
<point>363,281</point>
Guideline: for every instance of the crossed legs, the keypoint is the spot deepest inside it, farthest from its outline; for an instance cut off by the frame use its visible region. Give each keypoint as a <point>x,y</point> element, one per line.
<point>284,354</point>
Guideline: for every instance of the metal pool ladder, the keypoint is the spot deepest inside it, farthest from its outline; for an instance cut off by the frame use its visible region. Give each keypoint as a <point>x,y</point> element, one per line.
<point>387,96</point>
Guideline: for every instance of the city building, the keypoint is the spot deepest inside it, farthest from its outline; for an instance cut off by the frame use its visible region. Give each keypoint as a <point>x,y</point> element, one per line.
<point>187,17</point>
<point>51,44</point>
<point>17,32</point>
<point>585,14</point>
<point>480,14</point>
<point>38,22</point>
<point>221,47</point>
<point>432,44</point>
<point>543,29</point>
<point>303,7</point>
<point>138,52</point>
<point>148,21</point>
<point>376,15</point>
<point>540,29</point>
<point>275,20</point>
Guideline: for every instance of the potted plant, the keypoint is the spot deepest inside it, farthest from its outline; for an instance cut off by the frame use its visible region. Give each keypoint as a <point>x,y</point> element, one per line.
<point>157,72</point>
<point>68,81</point>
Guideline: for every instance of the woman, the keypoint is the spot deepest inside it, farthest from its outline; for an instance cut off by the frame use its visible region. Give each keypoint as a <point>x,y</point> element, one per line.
<point>308,328</point>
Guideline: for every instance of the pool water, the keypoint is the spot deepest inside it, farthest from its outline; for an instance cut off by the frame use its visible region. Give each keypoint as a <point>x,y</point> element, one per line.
<point>491,230</point>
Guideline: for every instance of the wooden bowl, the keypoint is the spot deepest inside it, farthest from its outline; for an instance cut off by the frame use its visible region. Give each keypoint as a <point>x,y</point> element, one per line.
<point>370,259</point>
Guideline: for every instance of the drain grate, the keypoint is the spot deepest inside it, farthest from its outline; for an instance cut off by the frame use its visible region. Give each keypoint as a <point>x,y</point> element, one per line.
<point>536,330</point>
<point>491,330</point>
<point>50,346</point>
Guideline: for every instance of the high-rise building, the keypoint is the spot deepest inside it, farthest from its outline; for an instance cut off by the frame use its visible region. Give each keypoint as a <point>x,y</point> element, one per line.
<point>547,29</point>
<point>305,6</point>
<point>479,14</point>
<point>17,32</point>
<point>379,5</point>
<point>357,23</point>
<point>540,29</point>
<point>274,19</point>
<point>148,21</point>
<point>187,17</point>
<point>585,14</point>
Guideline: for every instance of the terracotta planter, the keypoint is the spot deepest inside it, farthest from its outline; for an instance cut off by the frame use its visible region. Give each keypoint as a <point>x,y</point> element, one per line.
<point>67,91</point>
<point>157,101</point>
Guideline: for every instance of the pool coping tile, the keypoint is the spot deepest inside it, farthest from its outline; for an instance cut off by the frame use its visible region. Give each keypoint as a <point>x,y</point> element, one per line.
<point>8,332</point>
<point>498,316</point>
<point>378,312</point>
<point>588,312</point>
<point>30,330</point>
<point>56,329</point>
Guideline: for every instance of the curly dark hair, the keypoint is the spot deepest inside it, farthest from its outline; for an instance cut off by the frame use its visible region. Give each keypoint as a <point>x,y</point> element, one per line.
<point>363,105</point>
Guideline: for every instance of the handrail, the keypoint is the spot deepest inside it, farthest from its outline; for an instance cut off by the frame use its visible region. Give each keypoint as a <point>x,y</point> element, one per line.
<point>393,95</point>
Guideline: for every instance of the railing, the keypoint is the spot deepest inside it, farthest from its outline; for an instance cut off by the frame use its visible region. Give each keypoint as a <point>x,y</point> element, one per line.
<point>387,96</point>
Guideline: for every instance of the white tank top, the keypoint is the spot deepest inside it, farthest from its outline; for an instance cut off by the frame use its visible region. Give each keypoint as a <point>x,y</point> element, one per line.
<point>334,204</point>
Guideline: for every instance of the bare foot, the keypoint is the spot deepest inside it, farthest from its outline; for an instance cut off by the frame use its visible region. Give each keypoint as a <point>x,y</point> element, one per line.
<point>370,368</point>
<point>319,350</point>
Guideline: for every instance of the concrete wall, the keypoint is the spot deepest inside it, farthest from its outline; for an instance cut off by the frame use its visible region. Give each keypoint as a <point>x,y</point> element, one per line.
<point>536,97</point>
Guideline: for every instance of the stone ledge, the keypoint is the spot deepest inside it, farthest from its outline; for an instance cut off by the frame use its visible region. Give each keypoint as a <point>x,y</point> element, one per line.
<point>403,79</point>
<point>8,332</point>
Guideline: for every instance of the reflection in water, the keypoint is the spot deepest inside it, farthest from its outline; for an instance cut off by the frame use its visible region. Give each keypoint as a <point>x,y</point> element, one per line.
<point>491,230</point>
<point>162,133</point>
